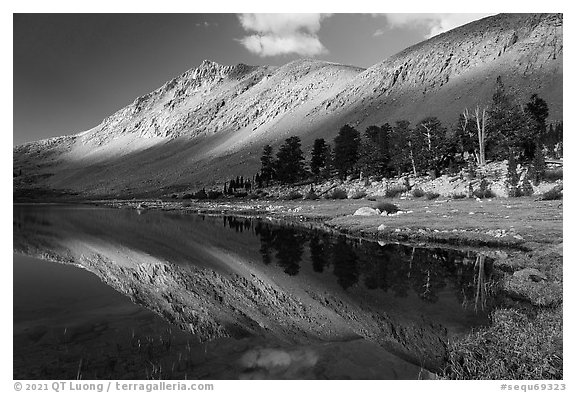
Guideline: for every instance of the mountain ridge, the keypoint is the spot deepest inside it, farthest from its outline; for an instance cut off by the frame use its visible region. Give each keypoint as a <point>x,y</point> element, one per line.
<point>210,122</point>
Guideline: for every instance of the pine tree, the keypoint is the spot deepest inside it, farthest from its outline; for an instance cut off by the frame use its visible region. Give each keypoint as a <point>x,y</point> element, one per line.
<point>552,140</point>
<point>375,151</point>
<point>537,109</point>
<point>290,161</point>
<point>534,132</point>
<point>399,157</point>
<point>538,166</point>
<point>559,137</point>
<point>406,147</point>
<point>507,125</point>
<point>268,165</point>
<point>328,163</point>
<point>465,137</point>
<point>368,156</point>
<point>346,149</point>
<point>384,143</point>
<point>318,160</point>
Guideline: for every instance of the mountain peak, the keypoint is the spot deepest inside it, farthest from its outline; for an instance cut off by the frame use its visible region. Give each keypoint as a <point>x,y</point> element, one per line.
<point>215,117</point>
<point>206,63</point>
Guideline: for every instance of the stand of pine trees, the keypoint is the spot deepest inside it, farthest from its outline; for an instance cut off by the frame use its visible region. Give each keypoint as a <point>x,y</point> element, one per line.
<point>504,129</point>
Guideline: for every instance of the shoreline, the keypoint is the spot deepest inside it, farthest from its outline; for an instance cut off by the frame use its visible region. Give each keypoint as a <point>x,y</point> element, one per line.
<point>448,223</point>
<point>528,251</point>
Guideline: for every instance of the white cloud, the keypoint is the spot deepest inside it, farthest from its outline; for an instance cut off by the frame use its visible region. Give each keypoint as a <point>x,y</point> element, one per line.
<point>281,34</point>
<point>271,45</point>
<point>435,23</point>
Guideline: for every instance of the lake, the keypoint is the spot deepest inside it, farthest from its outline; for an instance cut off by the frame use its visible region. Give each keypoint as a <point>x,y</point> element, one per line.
<point>104,293</point>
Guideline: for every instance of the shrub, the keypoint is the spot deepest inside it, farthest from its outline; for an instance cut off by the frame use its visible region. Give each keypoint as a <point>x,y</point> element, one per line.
<point>483,194</point>
<point>551,175</point>
<point>293,195</point>
<point>387,207</point>
<point>187,196</point>
<point>253,196</point>
<point>483,191</point>
<point>431,195</point>
<point>512,177</point>
<point>359,194</point>
<point>174,196</point>
<point>514,192</point>
<point>338,193</point>
<point>212,194</point>
<point>515,346</point>
<point>201,194</point>
<point>395,191</point>
<point>459,196</point>
<point>418,193</point>
<point>311,195</point>
<point>240,194</point>
<point>553,194</point>
<point>471,170</point>
<point>526,188</point>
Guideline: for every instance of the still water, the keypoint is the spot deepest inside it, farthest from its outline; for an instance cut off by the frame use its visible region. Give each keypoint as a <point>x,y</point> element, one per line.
<point>108,293</point>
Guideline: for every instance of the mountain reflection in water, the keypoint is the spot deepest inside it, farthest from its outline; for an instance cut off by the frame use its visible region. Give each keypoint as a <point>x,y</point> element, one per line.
<point>249,288</point>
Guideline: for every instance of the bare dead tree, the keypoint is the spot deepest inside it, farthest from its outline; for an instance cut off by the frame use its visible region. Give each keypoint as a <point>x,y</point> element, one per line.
<point>480,153</point>
<point>412,158</point>
<point>481,128</point>
<point>428,135</point>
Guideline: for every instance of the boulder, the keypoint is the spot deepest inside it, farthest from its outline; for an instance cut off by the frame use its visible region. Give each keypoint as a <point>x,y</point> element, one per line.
<point>530,274</point>
<point>366,211</point>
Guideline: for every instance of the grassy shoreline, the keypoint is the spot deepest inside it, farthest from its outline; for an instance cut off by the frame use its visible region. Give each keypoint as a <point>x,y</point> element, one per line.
<point>523,224</point>
<point>524,235</point>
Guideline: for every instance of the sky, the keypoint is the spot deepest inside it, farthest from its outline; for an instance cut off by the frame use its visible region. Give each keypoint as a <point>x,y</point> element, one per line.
<point>70,71</point>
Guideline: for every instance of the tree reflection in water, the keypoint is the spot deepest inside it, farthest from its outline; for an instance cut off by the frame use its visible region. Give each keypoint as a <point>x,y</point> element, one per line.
<point>345,263</point>
<point>289,246</point>
<point>393,268</point>
<point>319,252</point>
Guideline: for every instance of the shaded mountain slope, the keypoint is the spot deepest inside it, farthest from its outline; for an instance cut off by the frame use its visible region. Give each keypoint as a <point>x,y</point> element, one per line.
<point>211,122</point>
<point>458,69</point>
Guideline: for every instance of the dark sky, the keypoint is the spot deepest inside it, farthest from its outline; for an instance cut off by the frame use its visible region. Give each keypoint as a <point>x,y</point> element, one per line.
<point>73,70</point>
